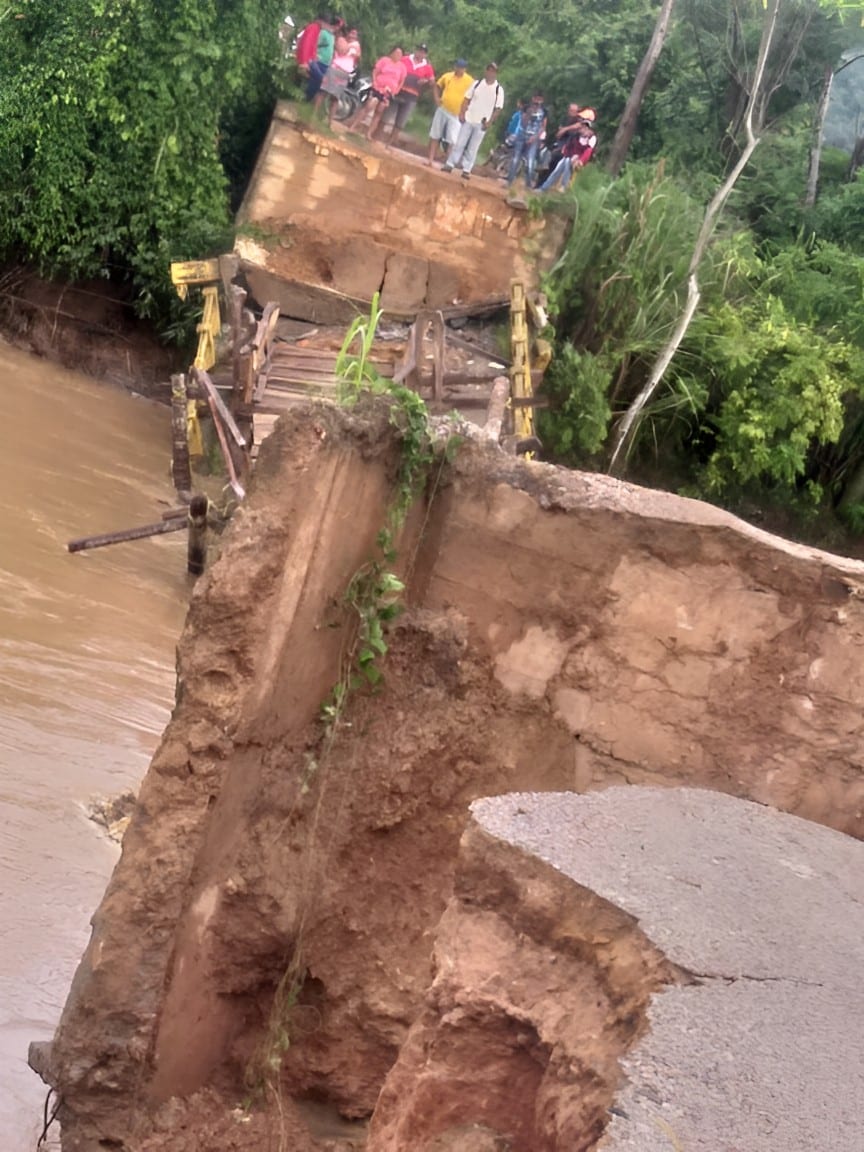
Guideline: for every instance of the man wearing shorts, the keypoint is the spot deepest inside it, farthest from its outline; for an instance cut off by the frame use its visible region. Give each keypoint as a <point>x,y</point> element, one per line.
<point>449,92</point>
<point>418,73</point>
<point>480,108</point>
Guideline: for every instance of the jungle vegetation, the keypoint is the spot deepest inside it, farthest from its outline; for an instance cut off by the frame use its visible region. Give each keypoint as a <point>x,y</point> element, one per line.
<point>128,127</point>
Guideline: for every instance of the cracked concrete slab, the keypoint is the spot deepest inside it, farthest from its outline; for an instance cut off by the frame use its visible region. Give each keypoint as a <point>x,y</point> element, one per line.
<point>765,1051</point>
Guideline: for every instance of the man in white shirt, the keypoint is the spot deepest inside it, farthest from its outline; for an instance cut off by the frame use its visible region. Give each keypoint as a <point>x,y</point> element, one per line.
<point>482,105</point>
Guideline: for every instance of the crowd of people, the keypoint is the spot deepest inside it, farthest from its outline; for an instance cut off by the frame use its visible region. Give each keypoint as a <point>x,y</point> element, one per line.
<point>328,54</point>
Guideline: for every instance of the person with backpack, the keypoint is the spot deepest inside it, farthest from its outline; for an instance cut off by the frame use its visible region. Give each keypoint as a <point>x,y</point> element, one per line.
<point>480,108</point>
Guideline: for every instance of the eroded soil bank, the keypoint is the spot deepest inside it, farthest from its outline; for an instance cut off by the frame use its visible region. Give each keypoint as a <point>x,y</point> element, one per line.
<point>89,327</point>
<point>270,925</point>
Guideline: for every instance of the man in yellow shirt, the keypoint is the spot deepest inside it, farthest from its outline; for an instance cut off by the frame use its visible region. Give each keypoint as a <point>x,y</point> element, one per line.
<point>449,92</point>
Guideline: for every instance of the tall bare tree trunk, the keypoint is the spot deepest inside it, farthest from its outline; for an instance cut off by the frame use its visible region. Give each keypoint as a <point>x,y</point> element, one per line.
<point>628,423</point>
<point>627,126</point>
<point>816,144</point>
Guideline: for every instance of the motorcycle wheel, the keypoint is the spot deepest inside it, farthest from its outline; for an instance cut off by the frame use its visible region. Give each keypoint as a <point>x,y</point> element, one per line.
<point>346,106</point>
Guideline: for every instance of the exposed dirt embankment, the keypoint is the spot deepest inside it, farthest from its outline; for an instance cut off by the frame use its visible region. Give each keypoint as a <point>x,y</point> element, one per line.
<point>271,919</point>
<point>540,988</point>
<point>90,327</point>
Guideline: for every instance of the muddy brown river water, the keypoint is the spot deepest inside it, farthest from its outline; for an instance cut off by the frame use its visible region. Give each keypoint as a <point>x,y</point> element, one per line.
<point>86,678</point>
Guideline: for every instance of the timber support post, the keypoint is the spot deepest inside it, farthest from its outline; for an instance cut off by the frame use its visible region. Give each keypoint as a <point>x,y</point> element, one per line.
<point>181,471</point>
<point>196,553</point>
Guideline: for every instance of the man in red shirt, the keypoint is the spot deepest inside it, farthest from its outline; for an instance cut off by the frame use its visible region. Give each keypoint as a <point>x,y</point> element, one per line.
<point>307,44</point>
<point>418,73</point>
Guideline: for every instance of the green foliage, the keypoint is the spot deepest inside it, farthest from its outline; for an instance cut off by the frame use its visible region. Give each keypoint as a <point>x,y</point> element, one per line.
<point>779,392</point>
<point>840,217</point>
<point>112,132</point>
<point>822,285</point>
<point>579,384</point>
<point>616,293</point>
<point>354,371</point>
<point>374,594</point>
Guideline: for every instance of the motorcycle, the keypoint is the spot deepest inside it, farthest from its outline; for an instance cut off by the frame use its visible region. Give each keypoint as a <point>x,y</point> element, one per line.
<point>356,93</point>
<point>288,37</point>
<point>502,154</point>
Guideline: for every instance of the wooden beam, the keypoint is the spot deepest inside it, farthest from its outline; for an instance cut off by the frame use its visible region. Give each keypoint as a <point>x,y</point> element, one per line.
<point>84,543</point>
<point>181,470</point>
<point>216,402</point>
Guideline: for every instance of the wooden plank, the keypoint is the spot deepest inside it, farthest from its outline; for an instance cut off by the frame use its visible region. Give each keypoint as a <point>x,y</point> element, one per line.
<point>195,271</point>
<point>236,487</point>
<point>84,543</point>
<point>497,409</point>
<point>218,406</point>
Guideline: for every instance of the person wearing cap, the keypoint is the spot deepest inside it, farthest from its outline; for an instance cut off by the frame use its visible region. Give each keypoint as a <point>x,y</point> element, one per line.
<point>579,141</point>
<point>449,91</point>
<point>418,73</point>
<point>480,108</point>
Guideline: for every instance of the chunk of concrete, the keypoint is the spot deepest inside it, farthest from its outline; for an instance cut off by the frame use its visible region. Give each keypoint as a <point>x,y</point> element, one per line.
<point>405,281</point>
<point>761,1047</point>
<point>358,266</point>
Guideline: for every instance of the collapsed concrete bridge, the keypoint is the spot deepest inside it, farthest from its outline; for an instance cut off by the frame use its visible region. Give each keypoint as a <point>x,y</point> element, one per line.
<point>273,917</point>
<point>326,223</point>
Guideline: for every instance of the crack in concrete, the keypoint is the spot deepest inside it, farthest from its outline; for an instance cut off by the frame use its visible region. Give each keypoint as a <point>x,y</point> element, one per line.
<point>797,980</point>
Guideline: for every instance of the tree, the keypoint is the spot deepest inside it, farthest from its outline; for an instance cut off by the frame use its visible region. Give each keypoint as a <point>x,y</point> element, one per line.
<point>755,101</point>
<point>111,113</point>
<point>627,124</point>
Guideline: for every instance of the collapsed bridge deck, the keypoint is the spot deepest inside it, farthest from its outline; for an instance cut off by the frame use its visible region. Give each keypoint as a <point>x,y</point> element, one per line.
<point>328,221</point>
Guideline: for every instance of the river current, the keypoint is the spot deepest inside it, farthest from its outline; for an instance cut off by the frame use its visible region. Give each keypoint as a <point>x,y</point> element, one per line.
<point>86,678</point>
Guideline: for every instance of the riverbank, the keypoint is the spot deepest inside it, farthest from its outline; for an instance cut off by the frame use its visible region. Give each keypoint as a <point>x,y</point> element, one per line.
<point>88,327</point>
<point>87,655</point>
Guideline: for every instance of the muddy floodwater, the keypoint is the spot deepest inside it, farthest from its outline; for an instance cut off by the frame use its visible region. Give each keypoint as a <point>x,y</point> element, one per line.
<point>86,678</point>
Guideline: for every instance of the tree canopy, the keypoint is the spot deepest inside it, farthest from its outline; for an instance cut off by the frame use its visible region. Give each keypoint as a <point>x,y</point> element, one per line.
<point>128,127</point>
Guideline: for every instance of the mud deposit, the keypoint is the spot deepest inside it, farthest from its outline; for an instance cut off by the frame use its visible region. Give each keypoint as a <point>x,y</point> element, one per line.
<point>268,933</point>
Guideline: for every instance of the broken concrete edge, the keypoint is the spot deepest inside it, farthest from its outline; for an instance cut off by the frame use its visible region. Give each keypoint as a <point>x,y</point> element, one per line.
<point>403,223</point>
<point>221,659</point>
<point>318,304</point>
<point>226,674</point>
<point>558,489</point>
<point>540,987</point>
<point>761,1039</point>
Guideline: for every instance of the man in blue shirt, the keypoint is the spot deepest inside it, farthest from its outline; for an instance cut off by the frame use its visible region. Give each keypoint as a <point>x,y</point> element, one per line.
<point>528,140</point>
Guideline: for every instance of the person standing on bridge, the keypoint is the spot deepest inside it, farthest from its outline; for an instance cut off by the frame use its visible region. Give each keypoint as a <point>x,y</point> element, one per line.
<point>528,138</point>
<point>418,74</point>
<point>323,56</point>
<point>579,141</point>
<point>449,91</point>
<point>388,76</point>
<point>346,54</point>
<point>480,108</point>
